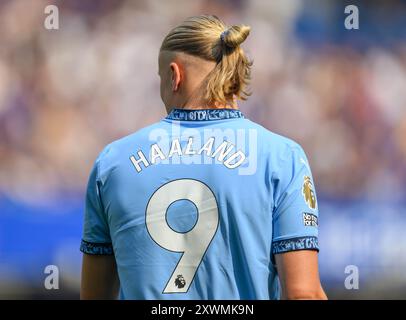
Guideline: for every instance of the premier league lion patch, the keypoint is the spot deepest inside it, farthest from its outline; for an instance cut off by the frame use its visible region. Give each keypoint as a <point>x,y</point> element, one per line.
<point>308,193</point>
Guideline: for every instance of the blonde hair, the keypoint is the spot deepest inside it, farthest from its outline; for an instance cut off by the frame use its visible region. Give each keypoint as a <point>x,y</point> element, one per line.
<point>209,38</point>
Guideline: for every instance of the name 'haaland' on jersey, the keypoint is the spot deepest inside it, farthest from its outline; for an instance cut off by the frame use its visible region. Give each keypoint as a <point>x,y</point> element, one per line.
<point>225,153</point>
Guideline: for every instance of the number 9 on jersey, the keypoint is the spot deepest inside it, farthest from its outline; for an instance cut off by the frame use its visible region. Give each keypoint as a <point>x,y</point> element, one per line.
<point>193,243</point>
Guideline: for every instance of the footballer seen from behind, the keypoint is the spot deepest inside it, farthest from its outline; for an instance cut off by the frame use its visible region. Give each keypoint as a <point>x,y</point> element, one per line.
<point>204,204</point>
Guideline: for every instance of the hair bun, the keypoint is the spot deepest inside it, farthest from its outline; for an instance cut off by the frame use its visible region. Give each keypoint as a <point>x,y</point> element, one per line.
<point>235,35</point>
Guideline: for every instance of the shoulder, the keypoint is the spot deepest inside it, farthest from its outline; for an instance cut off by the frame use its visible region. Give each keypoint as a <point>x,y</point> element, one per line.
<point>112,154</point>
<point>128,142</point>
<point>275,143</point>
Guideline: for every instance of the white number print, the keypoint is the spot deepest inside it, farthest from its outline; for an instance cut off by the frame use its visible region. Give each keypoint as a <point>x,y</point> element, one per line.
<point>194,243</point>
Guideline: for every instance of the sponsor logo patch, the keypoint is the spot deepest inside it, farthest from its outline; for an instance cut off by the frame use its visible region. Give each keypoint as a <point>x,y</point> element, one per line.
<point>310,220</point>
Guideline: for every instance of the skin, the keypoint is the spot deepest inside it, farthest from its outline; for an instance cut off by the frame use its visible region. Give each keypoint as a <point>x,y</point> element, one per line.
<point>99,278</point>
<point>181,78</point>
<point>299,275</point>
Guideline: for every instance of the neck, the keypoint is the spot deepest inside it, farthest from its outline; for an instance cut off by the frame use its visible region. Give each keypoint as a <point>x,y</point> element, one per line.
<point>193,99</point>
<point>197,107</point>
<point>201,104</point>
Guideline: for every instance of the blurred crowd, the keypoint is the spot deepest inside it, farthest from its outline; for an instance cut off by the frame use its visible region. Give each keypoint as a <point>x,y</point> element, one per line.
<point>66,93</point>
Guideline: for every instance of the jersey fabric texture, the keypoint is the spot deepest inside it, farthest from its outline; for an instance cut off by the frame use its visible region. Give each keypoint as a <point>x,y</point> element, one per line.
<point>197,205</point>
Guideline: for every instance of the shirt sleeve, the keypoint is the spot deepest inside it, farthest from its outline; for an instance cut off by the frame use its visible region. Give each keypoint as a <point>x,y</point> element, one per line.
<point>295,215</point>
<point>96,236</point>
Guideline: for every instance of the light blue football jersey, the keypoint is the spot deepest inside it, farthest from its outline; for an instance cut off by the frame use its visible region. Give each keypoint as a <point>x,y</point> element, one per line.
<point>197,205</point>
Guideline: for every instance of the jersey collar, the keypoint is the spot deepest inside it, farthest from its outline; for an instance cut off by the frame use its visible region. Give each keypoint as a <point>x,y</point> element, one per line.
<point>204,114</point>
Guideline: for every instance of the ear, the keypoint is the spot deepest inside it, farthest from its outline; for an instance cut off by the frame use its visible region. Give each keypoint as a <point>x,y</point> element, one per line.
<point>176,76</point>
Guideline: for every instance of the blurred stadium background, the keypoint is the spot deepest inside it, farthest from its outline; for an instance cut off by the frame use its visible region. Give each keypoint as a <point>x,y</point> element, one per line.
<point>66,93</point>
